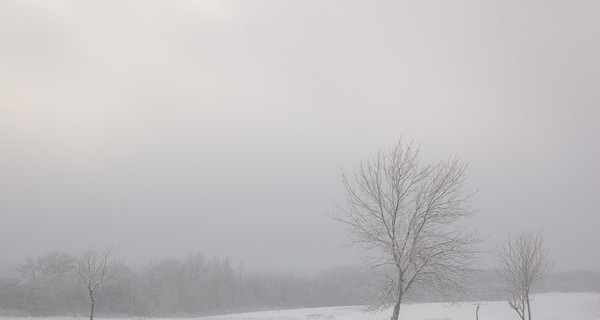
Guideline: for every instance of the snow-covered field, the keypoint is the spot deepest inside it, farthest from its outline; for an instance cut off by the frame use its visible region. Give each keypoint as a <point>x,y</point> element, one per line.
<point>548,306</point>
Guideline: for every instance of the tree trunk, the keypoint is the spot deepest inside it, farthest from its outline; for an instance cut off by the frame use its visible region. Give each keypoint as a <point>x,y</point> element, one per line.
<point>93,302</point>
<point>396,311</point>
<point>528,306</point>
<point>397,305</point>
<point>92,312</point>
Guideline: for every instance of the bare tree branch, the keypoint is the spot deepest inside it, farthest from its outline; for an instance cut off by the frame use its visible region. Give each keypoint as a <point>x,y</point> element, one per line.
<point>94,269</point>
<point>408,214</point>
<point>523,262</point>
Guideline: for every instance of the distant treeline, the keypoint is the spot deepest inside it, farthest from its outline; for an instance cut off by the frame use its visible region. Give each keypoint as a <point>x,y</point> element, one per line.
<point>195,285</point>
<point>189,286</point>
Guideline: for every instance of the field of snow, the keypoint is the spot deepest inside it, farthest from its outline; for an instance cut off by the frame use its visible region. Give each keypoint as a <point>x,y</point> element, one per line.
<point>547,306</point>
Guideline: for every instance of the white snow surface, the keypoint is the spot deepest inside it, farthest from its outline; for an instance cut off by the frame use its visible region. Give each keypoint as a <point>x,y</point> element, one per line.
<point>547,306</point>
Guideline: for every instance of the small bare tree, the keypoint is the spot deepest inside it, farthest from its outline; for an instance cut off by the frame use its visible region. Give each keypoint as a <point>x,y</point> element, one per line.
<point>523,262</point>
<point>94,269</point>
<point>408,214</point>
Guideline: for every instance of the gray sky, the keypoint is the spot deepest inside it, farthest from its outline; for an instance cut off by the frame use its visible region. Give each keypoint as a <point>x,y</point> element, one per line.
<point>168,127</point>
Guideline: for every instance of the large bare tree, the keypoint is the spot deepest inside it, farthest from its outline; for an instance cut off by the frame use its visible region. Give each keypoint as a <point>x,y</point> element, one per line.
<point>407,214</point>
<point>94,269</point>
<point>523,261</point>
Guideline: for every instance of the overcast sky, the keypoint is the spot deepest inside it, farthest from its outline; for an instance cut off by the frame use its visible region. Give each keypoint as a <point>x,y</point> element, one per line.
<point>169,127</point>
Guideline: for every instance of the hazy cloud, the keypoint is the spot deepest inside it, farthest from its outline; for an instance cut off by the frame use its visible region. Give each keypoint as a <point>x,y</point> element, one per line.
<point>165,127</point>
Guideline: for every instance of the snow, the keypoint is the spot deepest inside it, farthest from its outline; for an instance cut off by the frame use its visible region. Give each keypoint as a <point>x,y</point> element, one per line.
<point>547,306</point>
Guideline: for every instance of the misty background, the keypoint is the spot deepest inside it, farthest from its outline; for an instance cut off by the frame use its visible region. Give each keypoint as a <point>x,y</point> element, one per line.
<point>173,127</point>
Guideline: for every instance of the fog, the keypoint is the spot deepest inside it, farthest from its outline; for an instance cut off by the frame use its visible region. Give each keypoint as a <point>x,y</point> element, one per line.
<point>221,127</point>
